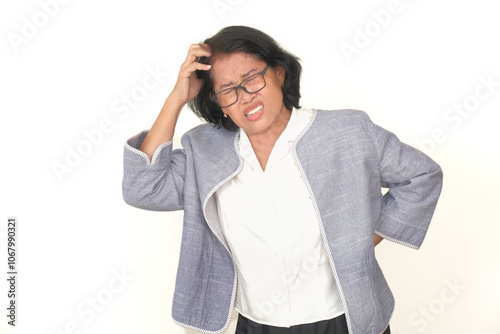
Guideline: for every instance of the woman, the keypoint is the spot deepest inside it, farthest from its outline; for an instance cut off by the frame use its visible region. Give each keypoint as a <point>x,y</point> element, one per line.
<point>282,205</point>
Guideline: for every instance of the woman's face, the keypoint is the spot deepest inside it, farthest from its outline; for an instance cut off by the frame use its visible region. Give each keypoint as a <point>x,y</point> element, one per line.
<point>260,113</point>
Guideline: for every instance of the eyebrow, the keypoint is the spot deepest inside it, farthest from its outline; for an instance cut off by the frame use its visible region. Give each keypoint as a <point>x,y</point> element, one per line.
<point>243,76</point>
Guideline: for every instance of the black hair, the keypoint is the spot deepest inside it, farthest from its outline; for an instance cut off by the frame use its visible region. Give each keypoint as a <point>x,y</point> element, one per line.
<point>250,41</point>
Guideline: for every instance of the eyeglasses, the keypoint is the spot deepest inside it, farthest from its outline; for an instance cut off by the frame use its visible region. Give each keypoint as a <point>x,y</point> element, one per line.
<point>229,96</point>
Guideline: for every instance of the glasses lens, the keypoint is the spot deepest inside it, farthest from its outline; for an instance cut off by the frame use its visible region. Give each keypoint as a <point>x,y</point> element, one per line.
<point>254,83</point>
<point>251,85</point>
<point>227,97</point>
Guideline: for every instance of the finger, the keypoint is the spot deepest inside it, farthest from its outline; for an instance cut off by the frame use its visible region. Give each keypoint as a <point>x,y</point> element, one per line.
<point>196,51</point>
<point>199,66</point>
<point>194,61</point>
<point>190,68</point>
<point>205,46</point>
<point>200,46</point>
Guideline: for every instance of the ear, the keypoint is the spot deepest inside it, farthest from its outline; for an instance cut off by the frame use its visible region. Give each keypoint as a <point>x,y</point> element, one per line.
<point>280,73</point>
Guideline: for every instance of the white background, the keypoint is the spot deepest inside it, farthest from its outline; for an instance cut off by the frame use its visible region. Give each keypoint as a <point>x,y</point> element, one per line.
<point>70,73</point>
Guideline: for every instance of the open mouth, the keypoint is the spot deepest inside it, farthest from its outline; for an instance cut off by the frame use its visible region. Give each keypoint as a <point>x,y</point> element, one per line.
<point>254,111</point>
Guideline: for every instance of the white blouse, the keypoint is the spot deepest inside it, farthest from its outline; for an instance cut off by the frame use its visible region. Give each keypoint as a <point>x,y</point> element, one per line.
<point>268,219</point>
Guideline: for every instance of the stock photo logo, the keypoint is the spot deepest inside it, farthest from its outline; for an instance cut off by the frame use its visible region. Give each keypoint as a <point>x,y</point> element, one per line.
<point>454,116</point>
<point>31,26</point>
<point>362,38</point>
<point>426,315</point>
<point>292,279</point>
<point>121,107</point>
<point>221,7</point>
<point>97,303</point>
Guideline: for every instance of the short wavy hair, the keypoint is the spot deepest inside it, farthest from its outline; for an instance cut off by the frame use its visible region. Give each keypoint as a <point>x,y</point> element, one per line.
<point>250,41</point>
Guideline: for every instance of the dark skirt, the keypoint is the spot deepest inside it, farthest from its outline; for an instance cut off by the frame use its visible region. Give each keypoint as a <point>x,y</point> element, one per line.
<point>337,325</point>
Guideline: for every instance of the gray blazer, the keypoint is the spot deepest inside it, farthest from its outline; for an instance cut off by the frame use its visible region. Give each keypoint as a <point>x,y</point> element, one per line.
<point>344,158</point>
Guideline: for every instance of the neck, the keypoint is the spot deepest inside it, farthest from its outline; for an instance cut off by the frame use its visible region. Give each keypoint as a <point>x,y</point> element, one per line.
<point>263,142</point>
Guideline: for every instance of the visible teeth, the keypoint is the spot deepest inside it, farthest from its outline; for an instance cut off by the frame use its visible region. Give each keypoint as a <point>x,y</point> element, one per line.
<point>256,110</point>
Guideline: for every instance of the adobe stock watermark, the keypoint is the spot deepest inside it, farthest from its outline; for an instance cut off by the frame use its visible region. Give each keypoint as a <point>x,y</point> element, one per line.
<point>429,313</point>
<point>364,35</point>
<point>31,26</point>
<point>94,137</point>
<point>89,309</point>
<point>221,7</point>
<point>293,277</point>
<point>454,116</point>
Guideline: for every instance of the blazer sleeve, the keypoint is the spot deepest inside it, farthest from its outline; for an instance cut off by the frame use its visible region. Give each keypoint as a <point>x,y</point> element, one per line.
<point>414,183</point>
<point>156,185</point>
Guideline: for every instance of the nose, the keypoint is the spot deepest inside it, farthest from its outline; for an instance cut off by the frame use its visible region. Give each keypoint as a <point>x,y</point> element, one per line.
<point>244,96</point>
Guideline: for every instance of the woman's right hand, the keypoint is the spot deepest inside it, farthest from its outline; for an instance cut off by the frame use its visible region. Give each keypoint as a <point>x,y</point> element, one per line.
<point>188,85</point>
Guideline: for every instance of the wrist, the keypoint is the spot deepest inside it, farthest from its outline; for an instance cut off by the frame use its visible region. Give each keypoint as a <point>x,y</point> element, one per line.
<point>174,104</point>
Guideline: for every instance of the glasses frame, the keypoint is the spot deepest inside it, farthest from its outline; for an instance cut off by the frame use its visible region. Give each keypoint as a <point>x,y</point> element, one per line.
<point>214,97</point>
